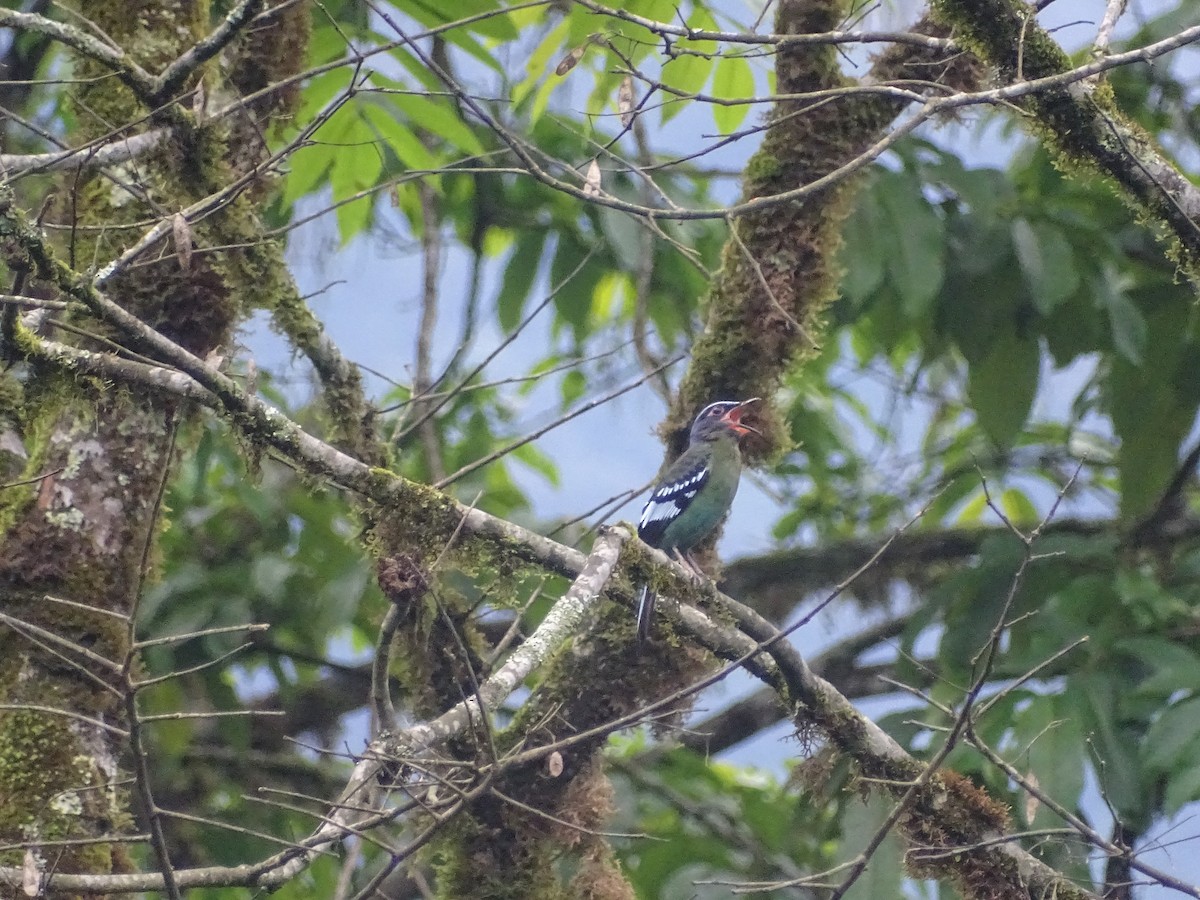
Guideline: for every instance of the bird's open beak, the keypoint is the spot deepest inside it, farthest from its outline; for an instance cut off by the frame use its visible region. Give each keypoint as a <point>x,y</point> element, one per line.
<point>734,418</point>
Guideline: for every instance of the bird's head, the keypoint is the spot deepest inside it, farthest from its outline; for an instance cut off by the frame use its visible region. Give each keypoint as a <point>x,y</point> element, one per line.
<point>723,417</point>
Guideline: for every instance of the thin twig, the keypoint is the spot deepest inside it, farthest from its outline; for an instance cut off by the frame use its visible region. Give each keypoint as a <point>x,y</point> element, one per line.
<point>431,254</point>
<point>562,420</point>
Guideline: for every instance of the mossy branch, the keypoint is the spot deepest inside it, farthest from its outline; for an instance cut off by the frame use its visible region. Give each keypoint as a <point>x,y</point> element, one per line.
<point>1079,121</point>
<point>818,702</point>
<point>129,72</point>
<point>174,75</point>
<point>780,265</point>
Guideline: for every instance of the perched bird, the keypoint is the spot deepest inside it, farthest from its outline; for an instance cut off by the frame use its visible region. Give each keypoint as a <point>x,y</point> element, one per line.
<point>695,492</point>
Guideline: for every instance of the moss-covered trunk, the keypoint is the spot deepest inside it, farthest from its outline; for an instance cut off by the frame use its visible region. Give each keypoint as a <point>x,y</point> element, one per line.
<point>763,312</point>
<point>75,540</point>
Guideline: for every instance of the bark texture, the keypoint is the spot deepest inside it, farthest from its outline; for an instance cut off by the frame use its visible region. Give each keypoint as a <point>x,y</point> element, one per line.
<point>76,540</point>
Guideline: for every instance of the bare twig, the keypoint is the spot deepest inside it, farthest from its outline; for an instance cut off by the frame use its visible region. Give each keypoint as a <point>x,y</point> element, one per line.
<point>173,76</point>
<point>561,420</point>
<point>130,73</point>
<point>431,254</point>
<point>1113,11</point>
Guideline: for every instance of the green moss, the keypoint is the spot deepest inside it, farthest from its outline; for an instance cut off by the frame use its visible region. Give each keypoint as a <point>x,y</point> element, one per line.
<point>12,396</point>
<point>763,167</point>
<point>1082,127</point>
<point>343,399</point>
<point>764,307</point>
<point>478,861</point>
<point>49,789</point>
<point>53,782</point>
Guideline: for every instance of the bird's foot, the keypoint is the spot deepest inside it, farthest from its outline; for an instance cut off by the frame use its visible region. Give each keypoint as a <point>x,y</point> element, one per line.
<point>693,567</point>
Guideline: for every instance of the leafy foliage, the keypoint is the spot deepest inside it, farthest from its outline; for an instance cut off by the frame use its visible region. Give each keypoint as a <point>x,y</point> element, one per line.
<point>1012,361</point>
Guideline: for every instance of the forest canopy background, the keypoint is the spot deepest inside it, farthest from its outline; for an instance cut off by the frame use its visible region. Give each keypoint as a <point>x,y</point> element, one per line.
<point>335,332</point>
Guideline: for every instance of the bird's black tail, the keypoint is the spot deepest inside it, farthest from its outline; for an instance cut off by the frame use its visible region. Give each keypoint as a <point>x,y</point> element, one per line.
<point>645,612</point>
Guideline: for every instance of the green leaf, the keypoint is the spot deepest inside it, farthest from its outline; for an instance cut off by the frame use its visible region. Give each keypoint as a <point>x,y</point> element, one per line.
<point>575,273</point>
<point>434,13</point>
<point>519,275</point>
<point>733,79</point>
<point>608,293</point>
<point>1018,507</point>
<point>974,309</point>
<point>357,166</point>
<point>308,168</point>
<point>539,462</point>
<point>439,119</point>
<point>688,72</point>
<point>976,602</point>
<point>1182,788</point>
<point>915,265</point>
<point>1050,736</point>
<point>1047,263</point>
<point>574,384</point>
<point>1149,416</point>
<point>862,255</point>
<point>953,494</point>
<point>310,165</point>
<point>1174,667</point>
<point>1125,320</point>
<point>1172,738</point>
<point>973,511</point>
<point>1002,386</point>
<point>416,68</point>
<point>624,235</point>
<point>1121,772</point>
<point>400,139</point>
<point>860,824</point>
<point>540,66</point>
<point>327,44</point>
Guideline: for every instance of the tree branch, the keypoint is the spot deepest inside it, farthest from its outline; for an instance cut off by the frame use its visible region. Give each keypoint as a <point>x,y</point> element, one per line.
<point>1078,118</point>
<point>174,75</point>
<point>130,73</point>
<point>99,154</point>
<point>942,811</point>
<point>777,581</point>
<point>762,709</point>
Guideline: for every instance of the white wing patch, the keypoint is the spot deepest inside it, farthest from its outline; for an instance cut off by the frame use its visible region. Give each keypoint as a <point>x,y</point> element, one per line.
<point>667,503</point>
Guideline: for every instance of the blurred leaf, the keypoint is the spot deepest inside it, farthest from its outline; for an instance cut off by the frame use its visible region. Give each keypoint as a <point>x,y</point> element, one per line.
<point>862,255</point>
<point>1117,757</point>
<point>687,72</point>
<point>308,166</point>
<point>1127,325</point>
<point>1182,787</point>
<point>1049,735</point>
<point>1174,667</point>
<point>539,462</point>
<point>519,275</point>
<point>573,386</point>
<point>1046,262</point>
<point>496,26</point>
<point>1002,387</point>
<point>576,272</point>
<point>438,118</point>
<point>915,264</point>
<point>733,79</point>
<point>537,68</point>
<point>883,873</point>
<point>1018,507</point>
<point>400,139</point>
<point>1172,738</point>
<point>356,166</point>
